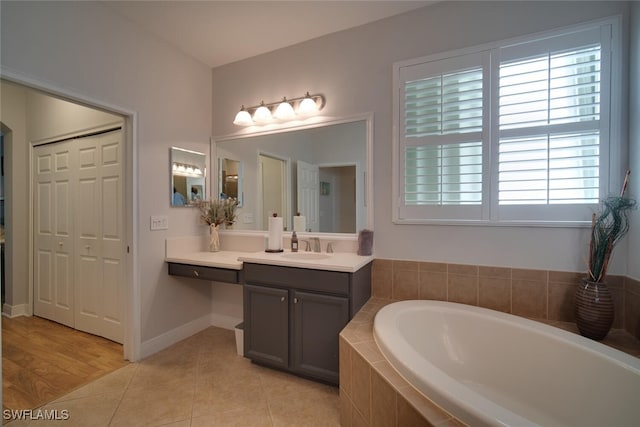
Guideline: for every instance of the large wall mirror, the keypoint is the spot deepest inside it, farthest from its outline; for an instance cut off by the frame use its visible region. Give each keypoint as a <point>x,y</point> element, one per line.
<point>188,176</point>
<point>317,178</point>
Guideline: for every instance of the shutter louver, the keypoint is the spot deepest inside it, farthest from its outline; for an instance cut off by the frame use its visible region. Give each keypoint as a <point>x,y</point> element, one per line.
<point>450,173</point>
<point>549,107</point>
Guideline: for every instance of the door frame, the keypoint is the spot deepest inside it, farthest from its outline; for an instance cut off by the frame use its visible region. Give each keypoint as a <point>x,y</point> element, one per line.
<point>132,308</point>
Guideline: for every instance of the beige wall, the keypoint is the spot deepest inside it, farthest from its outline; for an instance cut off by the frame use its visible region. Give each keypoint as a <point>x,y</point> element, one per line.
<point>85,50</point>
<point>32,116</point>
<point>353,69</point>
<point>13,118</point>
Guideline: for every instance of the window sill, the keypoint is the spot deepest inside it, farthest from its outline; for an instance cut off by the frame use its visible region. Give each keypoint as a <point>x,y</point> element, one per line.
<point>482,223</point>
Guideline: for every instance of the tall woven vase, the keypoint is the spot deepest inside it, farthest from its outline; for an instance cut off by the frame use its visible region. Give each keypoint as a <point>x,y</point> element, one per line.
<point>594,309</point>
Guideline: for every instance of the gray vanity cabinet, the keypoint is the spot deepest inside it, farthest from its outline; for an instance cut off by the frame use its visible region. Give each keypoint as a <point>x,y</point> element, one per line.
<point>293,316</point>
<point>267,313</point>
<point>317,321</point>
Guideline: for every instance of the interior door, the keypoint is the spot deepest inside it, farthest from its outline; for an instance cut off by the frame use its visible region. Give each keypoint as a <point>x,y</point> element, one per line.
<point>99,236</point>
<point>78,234</point>
<point>309,194</point>
<point>53,232</point>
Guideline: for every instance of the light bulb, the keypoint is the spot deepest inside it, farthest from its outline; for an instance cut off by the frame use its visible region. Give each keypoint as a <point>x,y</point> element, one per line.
<point>243,118</point>
<point>307,106</point>
<point>262,114</point>
<point>284,110</point>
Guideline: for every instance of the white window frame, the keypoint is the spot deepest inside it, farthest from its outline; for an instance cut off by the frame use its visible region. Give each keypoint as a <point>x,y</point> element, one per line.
<point>490,212</point>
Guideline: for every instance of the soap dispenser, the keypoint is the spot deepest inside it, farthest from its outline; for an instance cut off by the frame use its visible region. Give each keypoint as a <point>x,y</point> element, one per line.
<point>294,242</point>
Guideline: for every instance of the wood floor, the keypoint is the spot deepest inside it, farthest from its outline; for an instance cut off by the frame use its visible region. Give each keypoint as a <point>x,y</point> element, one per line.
<point>43,360</point>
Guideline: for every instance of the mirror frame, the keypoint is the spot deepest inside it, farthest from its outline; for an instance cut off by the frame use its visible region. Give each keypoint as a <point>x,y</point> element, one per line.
<point>368,181</point>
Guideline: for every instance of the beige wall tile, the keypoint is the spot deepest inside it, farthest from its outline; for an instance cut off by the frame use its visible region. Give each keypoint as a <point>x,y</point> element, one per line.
<point>361,385</point>
<point>357,420</point>
<point>529,298</point>
<point>433,285</point>
<point>566,277</point>
<point>632,285</point>
<point>381,281</point>
<point>408,416</point>
<point>399,265</point>
<point>618,294</point>
<point>560,300</point>
<point>464,269</point>
<point>383,402</point>
<point>632,312</point>
<point>462,289</point>
<point>406,284</point>
<point>429,410</point>
<point>435,267</point>
<point>498,272</point>
<point>495,293</point>
<point>345,366</point>
<point>530,275</point>
<point>614,281</point>
<point>345,409</point>
<point>384,369</point>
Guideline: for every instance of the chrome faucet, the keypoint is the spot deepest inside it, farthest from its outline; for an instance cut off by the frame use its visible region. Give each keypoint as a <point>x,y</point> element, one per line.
<point>315,242</point>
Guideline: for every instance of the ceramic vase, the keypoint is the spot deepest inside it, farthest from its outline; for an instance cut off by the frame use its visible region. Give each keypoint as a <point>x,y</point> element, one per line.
<point>214,238</point>
<point>593,309</point>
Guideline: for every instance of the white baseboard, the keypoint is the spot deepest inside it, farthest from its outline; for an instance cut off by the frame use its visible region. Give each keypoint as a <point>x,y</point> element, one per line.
<point>173,336</point>
<point>14,310</point>
<point>224,322</point>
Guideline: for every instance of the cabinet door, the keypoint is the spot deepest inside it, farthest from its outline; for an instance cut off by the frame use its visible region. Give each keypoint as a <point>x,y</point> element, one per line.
<point>266,327</point>
<point>318,319</point>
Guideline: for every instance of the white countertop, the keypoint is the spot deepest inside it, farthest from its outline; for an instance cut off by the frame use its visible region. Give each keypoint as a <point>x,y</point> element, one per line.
<point>221,259</point>
<point>339,261</point>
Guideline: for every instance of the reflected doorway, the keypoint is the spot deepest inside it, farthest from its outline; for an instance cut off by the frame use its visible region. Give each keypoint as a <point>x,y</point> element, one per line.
<point>338,199</point>
<point>273,185</point>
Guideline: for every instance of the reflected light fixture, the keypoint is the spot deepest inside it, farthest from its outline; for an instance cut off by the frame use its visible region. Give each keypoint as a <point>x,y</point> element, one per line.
<point>287,109</point>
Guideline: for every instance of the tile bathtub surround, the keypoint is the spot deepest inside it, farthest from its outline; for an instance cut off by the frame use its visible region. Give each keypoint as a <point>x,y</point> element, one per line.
<point>536,294</point>
<point>372,393</point>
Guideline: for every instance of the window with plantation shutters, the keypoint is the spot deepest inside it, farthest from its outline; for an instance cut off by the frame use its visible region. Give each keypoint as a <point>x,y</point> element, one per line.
<point>518,131</point>
<point>443,120</point>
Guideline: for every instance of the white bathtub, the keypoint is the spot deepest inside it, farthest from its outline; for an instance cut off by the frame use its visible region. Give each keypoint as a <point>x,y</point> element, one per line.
<point>490,368</point>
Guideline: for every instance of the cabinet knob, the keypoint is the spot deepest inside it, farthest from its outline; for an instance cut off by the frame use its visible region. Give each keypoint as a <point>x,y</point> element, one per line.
<point>295,300</point>
<point>195,273</point>
<point>281,299</point>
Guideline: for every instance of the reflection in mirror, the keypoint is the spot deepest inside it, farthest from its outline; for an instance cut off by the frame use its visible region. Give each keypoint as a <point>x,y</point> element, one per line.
<point>319,173</point>
<point>188,173</point>
<point>230,179</point>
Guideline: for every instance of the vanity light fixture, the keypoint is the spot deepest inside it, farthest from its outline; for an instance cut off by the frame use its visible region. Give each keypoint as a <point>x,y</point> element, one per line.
<point>287,109</point>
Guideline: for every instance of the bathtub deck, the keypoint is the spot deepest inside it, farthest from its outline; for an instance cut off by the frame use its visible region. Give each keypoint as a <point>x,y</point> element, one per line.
<point>356,393</point>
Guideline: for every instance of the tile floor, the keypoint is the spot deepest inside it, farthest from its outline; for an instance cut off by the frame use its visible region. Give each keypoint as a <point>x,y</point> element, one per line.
<point>200,381</point>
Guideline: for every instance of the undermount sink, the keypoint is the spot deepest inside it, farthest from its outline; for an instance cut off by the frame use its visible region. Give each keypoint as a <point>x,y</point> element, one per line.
<point>306,255</point>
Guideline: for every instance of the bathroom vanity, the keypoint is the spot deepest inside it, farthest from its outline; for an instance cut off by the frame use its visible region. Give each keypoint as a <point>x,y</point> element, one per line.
<point>294,304</point>
<point>292,316</point>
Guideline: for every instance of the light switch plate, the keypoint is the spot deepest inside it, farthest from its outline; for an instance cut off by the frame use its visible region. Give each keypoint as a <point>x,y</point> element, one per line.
<point>159,222</point>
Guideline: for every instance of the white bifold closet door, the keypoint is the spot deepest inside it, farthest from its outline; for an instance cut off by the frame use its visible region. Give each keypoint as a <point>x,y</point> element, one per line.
<point>78,233</point>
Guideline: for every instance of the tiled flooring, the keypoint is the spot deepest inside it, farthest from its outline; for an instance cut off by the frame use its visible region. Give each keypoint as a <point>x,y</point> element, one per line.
<point>200,381</point>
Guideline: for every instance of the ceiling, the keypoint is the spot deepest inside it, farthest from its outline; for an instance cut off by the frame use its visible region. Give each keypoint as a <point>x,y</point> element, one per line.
<point>221,32</point>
